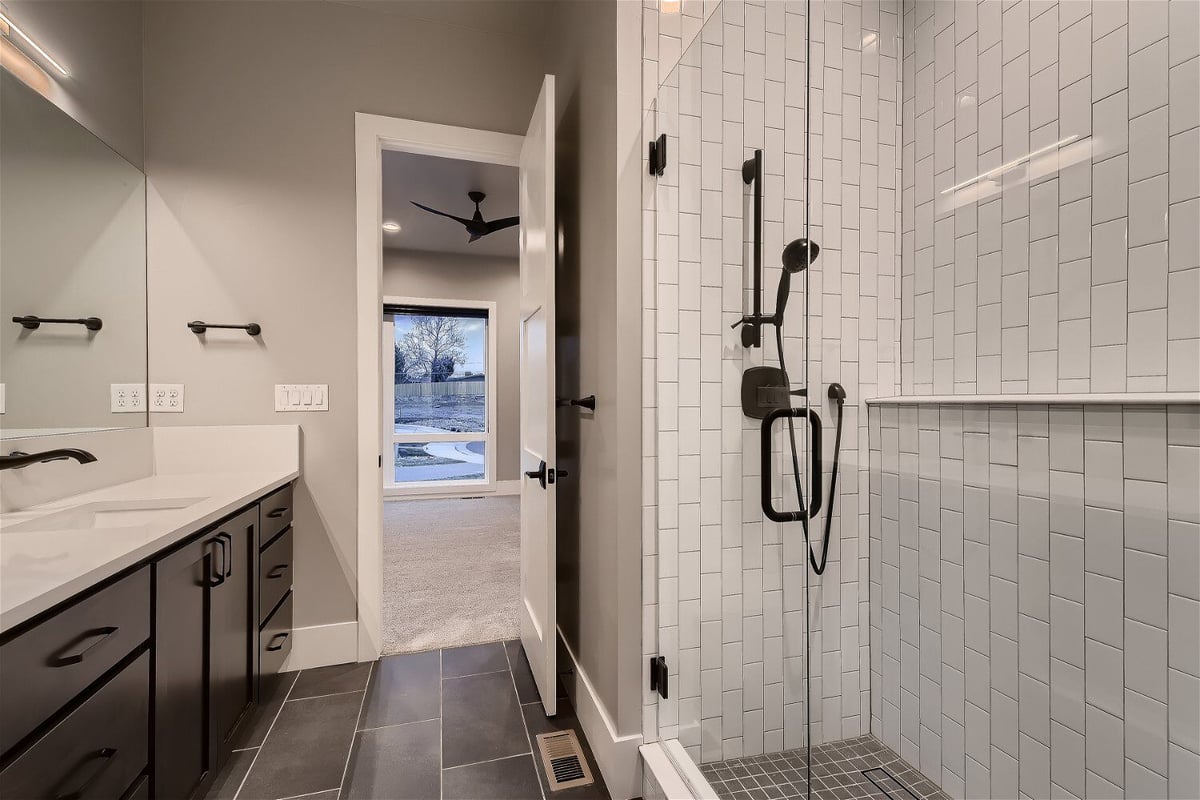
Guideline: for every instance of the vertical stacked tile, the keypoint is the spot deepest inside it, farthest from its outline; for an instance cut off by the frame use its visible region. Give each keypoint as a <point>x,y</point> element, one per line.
<point>1050,192</point>
<point>1067,661</point>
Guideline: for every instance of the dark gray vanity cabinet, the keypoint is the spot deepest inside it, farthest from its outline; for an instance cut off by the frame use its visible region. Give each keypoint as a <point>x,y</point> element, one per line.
<point>206,640</point>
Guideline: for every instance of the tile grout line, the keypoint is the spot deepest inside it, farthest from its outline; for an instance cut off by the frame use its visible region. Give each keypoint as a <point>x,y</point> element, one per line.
<point>396,725</point>
<point>354,733</point>
<point>475,674</point>
<point>267,735</point>
<point>524,725</point>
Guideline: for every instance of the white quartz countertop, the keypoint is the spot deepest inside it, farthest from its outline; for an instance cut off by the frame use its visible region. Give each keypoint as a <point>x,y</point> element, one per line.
<point>39,569</point>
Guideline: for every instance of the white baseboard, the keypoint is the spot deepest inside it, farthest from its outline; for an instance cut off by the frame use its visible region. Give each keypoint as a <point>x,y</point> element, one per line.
<point>616,756</point>
<point>323,646</point>
<point>450,491</point>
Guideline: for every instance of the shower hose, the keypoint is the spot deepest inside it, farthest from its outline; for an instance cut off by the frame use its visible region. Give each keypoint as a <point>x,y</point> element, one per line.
<point>838,395</point>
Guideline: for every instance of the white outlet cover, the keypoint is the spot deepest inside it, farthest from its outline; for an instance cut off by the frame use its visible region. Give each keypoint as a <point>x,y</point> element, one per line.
<point>166,398</point>
<point>127,398</point>
<point>1,398</point>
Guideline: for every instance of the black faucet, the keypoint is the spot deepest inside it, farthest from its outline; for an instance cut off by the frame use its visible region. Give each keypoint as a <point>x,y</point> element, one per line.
<point>16,459</point>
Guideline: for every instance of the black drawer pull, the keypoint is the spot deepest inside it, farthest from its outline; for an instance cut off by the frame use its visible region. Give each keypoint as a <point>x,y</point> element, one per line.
<point>277,571</point>
<point>69,658</point>
<point>271,646</point>
<point>278,512</point>
<point>106,754</point>
<point>228,554</point>
<point>219,577</point>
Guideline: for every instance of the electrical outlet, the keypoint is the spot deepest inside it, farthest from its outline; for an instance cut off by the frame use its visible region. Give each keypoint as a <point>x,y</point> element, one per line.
<point>166,398</point>
<point>1,398</point>
<point>301,397</point>
<point>127,398</point>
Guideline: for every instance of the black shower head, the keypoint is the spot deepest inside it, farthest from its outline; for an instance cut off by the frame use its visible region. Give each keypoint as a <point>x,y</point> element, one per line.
<point>799,255</point>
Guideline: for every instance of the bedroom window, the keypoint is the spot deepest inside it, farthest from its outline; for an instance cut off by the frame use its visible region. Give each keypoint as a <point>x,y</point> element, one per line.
<point>441,389</point>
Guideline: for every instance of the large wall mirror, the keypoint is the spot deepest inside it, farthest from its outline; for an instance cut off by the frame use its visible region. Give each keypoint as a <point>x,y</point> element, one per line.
<point>72,273</point>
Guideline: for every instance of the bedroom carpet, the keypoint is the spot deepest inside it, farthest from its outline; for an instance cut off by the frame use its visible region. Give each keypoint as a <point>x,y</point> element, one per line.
<point>451,572</point>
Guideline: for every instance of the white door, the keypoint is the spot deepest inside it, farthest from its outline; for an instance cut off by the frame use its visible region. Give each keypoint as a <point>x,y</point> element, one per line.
<point>538,559</point>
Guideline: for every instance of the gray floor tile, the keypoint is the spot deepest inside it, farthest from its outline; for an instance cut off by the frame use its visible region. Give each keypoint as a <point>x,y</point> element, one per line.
<point>506,779</point>
<point>226,786</point>
<point>537,722</point>
<point>481,719</point>
<point>526,689</point>
<point>307,748</point>
<point>403,689</point>
<point>254,730</point>
<point>473,660</point>
<point>401,762</point>
<point>331,680</point>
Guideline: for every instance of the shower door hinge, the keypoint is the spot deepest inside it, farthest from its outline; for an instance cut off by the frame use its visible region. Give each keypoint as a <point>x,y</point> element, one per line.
<point>658,155</point>
<point>658,675</point>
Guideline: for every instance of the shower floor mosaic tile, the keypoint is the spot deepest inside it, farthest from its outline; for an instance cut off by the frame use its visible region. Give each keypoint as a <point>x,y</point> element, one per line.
<point>852,769</point>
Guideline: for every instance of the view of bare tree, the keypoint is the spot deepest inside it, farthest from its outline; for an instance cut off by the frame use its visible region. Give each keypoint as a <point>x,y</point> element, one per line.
<point>432,347</point>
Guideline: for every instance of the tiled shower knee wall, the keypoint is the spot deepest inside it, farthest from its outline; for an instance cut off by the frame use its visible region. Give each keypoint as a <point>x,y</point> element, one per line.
<point>724,590</point>
<point>1035,597</point>
<point>1079,270</point>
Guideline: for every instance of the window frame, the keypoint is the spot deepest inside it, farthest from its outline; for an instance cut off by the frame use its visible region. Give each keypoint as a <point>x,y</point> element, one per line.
<point>488,484</point>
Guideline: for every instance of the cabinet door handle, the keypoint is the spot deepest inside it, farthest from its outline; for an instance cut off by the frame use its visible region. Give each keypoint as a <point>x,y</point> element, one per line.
<point>228,554</point>
<point>282,637</point>
<point>69,658</point>
<point>278,512</point>
<point>219,577</point>
<point>106,754</point>
<point>277,571</point>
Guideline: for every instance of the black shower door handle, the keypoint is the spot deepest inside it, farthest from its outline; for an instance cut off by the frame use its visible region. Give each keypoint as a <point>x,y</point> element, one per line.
<point>814,497</point>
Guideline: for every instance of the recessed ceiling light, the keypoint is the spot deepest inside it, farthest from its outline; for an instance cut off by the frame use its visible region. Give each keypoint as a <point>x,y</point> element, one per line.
<point>391,227</point>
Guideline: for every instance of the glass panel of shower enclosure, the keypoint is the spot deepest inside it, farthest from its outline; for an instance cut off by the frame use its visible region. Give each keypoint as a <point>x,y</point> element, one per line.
<point>730,583</point>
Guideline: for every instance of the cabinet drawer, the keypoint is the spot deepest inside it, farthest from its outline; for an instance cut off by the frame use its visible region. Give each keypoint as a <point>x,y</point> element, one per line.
<point>276,511</point>
<point>274,574</point>
<point>275,639</point>
<point>95,753</point>
<point>46,666</point>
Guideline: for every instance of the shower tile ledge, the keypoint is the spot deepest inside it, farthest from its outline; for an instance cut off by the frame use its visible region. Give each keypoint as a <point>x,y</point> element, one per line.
<point>1114,398</point>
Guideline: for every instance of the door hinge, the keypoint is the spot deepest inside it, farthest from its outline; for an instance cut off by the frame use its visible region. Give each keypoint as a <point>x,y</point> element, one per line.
<point>658,155</point>
<point>659,675</point>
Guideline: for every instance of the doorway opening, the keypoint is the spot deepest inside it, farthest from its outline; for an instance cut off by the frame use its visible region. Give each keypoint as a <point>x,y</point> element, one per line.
<point>451,403</point>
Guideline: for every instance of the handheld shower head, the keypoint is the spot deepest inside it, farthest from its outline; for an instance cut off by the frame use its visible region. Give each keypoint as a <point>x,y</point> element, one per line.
<point>797,256</point>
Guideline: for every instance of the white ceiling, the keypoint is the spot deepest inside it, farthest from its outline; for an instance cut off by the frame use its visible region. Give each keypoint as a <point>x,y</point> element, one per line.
<point>443,183</point>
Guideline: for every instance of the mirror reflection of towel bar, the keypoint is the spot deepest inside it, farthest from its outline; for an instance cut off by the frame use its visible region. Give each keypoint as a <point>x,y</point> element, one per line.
<point>32,323</point>
<point>252,328</point>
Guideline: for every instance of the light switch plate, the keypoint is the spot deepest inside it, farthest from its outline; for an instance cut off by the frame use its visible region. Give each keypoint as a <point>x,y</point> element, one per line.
<point>1,398</point>
<point>301,397</point>
<point>166,398</point>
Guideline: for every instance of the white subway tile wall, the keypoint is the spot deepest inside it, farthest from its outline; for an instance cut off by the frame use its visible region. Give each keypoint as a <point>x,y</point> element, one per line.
<point>1051,226</point>
<point>724,596</point>
<point>1035,597</point>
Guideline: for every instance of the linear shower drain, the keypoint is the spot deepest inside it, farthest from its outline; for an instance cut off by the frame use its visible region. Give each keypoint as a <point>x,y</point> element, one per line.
<point>888,783</point>
<point>563,758</point>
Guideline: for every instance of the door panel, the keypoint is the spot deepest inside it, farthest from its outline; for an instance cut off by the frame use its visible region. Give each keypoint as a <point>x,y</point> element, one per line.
<point>538,513</point>
<point>233,620</point>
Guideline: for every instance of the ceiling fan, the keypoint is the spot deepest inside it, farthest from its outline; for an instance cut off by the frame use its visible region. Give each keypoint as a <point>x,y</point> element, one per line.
<point>476,225</point>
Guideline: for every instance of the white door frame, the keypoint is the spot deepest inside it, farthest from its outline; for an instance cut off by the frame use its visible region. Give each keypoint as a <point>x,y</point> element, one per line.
<point>451,488</point>
<point>372,135</point>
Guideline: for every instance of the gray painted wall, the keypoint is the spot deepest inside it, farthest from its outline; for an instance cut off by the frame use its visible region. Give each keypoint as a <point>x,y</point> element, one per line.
<point>599,330</point>
<point>250,159</point>
<point>454,276</point>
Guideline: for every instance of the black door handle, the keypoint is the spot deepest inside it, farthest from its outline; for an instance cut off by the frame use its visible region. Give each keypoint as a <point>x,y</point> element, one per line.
<point>228,554</point>
<point>69,658</point>
<point>814,500</point>
<point>105,753</point>
<point>539,473</point>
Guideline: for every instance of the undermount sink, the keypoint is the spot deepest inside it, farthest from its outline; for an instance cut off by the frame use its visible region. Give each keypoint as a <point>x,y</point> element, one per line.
<point>107,514</point>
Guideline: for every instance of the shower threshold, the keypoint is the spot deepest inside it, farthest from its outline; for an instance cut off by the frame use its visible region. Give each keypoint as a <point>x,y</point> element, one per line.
<point>851,769</point>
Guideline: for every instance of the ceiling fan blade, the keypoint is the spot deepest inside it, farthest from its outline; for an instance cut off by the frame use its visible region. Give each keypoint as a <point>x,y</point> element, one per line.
<point>501,224</point>
<point>475,236</point>
<point>459,220</point>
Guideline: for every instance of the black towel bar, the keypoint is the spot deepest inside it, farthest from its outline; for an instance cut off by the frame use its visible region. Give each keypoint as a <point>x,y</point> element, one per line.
<point>252,328</point>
